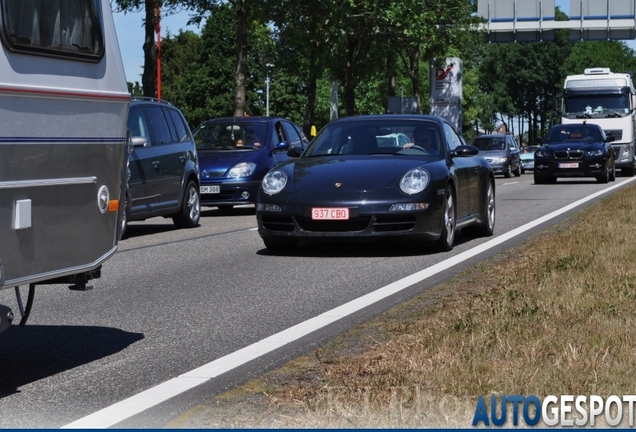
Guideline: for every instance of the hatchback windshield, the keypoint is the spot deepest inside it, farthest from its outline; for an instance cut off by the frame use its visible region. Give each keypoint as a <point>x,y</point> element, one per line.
<point>402,137</point>
<point>230,135</point>
<point>489,143</point>
<point>569,133</point>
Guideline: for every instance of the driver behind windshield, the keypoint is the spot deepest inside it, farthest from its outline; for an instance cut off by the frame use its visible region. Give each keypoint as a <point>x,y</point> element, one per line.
<point>426,138</point>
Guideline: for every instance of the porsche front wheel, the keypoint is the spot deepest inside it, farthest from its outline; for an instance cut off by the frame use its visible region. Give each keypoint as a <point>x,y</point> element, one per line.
<point>447,238</point>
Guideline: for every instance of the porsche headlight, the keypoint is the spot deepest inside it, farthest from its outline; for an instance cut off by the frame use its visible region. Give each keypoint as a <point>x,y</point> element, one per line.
<point>414,181</point>
<point>274,182</point>
<point>243,169</point>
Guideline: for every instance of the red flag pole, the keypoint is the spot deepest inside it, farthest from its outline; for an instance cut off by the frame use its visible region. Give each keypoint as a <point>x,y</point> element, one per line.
<point>158,31</point>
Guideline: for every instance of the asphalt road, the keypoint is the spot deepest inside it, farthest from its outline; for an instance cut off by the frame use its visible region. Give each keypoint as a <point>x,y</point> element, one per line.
<point>171,300</point>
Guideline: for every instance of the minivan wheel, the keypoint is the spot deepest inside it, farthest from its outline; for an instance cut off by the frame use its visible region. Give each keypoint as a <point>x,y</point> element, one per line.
<point>190,213</point>
<point>123,223</point>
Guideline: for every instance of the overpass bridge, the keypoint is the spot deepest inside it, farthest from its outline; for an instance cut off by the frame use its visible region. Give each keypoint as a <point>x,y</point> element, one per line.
<point>534,20</point>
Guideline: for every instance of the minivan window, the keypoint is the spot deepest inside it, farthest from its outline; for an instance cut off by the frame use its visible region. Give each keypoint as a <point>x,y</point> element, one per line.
<point>137,123</point>
<point>158,125</point>
<point>69,28</point>
<point>179,124</point>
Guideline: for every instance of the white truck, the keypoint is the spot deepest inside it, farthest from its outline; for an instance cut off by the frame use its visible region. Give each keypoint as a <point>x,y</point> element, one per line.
<point>608,99</point>
<point>63,144</point>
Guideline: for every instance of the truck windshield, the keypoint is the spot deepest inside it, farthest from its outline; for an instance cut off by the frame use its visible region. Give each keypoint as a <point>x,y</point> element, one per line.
<point>596,105</point>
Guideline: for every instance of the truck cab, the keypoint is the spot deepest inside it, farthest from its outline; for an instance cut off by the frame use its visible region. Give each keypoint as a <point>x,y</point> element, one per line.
<point>608,99</point>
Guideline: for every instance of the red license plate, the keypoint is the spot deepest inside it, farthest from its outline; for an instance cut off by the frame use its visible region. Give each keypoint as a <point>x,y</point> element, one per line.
<point>329,213</point>
<point>569,165</point>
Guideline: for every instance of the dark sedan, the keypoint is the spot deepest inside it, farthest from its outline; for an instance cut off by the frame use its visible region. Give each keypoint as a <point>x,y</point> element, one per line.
<point>345,186</point>
<point>236,152</point>
<point>575,150</point>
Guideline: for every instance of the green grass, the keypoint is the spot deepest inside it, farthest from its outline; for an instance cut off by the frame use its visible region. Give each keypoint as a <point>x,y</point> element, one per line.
<point>556,315</point>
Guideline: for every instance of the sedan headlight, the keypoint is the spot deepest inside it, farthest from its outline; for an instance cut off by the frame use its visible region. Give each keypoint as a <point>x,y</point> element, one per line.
<point>596,153</point>
<point>274,182</point>
<point>414,181</point>
<point>243,169</point>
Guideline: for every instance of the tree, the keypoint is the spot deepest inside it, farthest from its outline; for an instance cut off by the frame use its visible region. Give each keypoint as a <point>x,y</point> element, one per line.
<point>606,54</point>
<point>153,10</point>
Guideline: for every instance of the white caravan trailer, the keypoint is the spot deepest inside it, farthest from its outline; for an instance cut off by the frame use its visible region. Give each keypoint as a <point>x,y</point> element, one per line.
<point>63,144</point>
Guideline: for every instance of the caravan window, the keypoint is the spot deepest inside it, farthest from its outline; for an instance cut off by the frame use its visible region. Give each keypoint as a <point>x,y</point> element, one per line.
<point>61,28</point>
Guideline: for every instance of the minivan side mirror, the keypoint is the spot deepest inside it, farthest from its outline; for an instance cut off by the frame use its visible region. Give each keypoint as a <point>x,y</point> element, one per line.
<point>139,141</point>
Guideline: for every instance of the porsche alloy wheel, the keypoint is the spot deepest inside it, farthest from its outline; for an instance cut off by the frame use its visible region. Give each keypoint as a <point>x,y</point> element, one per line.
<point>447,238</point>
<point>486,227</point>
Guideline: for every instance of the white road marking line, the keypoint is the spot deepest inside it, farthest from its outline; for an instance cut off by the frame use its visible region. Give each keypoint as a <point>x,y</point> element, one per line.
<point>140,402</point>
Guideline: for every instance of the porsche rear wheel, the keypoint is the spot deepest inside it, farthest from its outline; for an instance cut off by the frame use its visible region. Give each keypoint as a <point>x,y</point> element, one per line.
<point>447,238</point>
<point>486,227</point>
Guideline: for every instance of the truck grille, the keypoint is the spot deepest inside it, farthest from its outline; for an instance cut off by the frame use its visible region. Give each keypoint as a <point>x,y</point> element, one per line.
<point>616,133</point>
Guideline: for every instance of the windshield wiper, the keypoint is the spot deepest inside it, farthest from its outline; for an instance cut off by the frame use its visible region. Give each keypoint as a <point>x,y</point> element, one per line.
<point>584,115</point>
<point>613,114</point>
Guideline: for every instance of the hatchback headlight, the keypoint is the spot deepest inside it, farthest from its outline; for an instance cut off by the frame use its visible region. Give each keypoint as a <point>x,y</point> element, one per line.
<point>500,160</point>
<point>274,182</point>
<point>414,181</point>
<point>243,169</point>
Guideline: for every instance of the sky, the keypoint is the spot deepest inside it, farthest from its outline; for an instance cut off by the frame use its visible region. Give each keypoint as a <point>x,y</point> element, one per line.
<point>131,36</point>
<point>130,33</point>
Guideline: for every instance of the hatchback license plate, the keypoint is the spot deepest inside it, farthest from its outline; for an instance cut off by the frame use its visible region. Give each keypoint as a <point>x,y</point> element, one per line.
<point>569,165</point>
<point>329,213</point>
<point>210,189</point>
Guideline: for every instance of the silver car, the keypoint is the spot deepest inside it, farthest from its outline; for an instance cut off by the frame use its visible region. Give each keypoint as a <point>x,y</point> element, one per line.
<point>527,158</point>
<point>501,151</point>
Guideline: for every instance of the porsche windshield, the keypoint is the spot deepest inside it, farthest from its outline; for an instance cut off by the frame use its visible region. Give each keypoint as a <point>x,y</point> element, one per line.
<point>223,135</point>
<point>402,137</point>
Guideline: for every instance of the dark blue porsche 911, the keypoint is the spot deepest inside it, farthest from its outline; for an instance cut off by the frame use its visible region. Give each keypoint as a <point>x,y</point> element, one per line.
<point>350,184</point>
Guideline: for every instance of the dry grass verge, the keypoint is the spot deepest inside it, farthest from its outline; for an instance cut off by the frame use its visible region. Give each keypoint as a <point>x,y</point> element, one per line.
<point>553,316</point>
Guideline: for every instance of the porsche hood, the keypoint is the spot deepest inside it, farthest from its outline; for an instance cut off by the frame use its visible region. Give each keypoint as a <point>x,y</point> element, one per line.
<point>363,173</point>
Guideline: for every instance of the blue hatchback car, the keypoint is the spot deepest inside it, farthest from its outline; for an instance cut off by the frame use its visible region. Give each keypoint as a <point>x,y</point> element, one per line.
<point>236,152</point>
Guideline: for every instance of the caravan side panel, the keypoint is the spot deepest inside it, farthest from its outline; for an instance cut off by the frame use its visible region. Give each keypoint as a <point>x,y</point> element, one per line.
<point>63,109</point>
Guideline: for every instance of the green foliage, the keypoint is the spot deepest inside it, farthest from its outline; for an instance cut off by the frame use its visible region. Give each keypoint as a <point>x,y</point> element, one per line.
<point>374,49</point>
<point>607,54</point>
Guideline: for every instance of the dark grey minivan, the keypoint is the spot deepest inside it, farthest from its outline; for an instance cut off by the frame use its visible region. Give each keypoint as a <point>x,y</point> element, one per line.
<point>501,151</point>
<point>163,166</point>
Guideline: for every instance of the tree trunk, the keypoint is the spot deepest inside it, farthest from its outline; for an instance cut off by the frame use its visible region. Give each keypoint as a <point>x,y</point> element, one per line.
<point>390,72</point>
<point>349,84</point>
<point>241,57</point>
<point>414,59</point>
<point>310,108</point>
<point>149,76</point>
